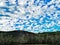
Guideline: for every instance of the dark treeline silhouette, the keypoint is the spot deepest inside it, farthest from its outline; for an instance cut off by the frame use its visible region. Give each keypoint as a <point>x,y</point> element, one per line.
<point>23,37</point>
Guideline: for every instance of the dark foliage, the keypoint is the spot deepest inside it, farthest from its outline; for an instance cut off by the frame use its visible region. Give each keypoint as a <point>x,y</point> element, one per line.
<point>23,37</point>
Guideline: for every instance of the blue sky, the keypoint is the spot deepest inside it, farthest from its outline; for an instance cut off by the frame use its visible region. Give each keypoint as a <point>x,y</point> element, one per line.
<point>37,17</point>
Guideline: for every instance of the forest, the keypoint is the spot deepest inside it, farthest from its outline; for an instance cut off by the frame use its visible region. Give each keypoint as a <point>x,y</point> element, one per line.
<point>23,37</point>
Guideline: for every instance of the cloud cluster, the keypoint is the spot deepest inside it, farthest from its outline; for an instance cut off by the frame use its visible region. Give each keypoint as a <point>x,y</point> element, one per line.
<point>30,15</point>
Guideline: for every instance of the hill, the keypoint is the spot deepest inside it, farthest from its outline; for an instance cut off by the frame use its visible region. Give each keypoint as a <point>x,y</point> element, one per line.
<point>23,37</point>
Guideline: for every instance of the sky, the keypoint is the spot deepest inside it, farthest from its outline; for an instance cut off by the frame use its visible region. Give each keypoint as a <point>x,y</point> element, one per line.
<point>35,16</point>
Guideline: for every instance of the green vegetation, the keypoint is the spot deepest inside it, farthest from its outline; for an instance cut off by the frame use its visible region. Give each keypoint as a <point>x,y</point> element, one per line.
<point>22,37</point>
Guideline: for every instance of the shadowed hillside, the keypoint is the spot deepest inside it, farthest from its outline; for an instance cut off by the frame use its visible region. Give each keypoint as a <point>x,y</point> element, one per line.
<point>23,37</point>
